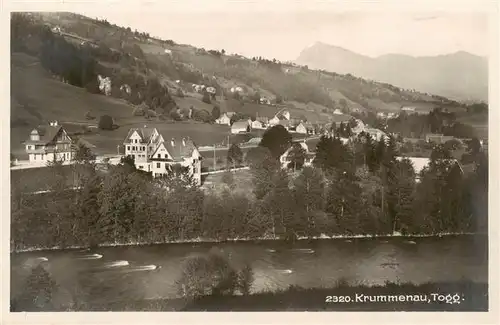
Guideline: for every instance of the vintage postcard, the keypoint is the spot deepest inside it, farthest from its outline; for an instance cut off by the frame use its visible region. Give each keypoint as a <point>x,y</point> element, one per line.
<point>250,159</point>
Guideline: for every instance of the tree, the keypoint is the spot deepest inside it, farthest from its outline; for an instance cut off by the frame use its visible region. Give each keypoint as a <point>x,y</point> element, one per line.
<point>106,122</point>
<point>180,93</point>
<point>206,97</point>
<point>331,154</point>
<point>277,139</point>
<point>215,112</point>
<point>309,190</point>
<point>84,154</point>
<point>38,291</point>
<point>234,155</point>
<point>344,201</point>
<point>207,275</point>
<point>263,166</point>
<point>297,156</point>
<point>279,203</point>
<point>256,97</point>
<point>202,115</point>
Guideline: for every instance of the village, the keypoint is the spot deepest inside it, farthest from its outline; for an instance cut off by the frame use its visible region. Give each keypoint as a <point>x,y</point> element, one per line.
<point>154,154</point>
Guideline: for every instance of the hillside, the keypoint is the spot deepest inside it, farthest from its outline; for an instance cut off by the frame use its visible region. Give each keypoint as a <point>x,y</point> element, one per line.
<point>461,75</point>
<point>54,77</point>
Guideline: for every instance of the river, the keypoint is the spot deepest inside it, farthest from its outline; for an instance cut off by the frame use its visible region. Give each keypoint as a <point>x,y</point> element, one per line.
<point>116,274</point>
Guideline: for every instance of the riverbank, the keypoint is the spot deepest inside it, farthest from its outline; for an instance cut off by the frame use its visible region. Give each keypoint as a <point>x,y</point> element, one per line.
<point>260,239</point>
<point>448,296</point>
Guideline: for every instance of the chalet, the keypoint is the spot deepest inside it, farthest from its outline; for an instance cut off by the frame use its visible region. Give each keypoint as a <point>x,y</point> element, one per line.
<point>337,112</point>
<point>285,158</point>
<point>223,119</point>
<point>280,116</point>
<point>257,125</point>
<point>153,154</point>
<point>49,143</point>
<point>301,128</point>
<point>240,127</point>
<point>381,114</point>
<point>408,109</point>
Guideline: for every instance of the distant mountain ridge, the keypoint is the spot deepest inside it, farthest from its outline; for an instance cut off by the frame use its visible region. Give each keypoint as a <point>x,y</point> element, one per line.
<point>460,75</point>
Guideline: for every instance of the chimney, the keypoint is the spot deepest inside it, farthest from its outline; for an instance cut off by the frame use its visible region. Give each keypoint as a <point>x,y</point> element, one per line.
<point>172,142</point>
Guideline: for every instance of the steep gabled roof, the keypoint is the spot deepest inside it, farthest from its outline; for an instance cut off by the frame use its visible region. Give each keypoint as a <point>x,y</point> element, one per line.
<point>240,125</point>
<point>47,134</point>
<point>144,133</point>
<point>178,150</point>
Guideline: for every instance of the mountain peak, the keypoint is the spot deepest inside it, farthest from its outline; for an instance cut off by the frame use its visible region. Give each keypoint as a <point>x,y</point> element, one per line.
<point>446,75</point>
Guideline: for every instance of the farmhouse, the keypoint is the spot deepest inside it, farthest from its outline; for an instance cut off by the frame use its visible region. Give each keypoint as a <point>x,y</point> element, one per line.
<point>240,127</point>
<point>301,128</point>
<point>408,109</point>
<point>223,119</point>
<point>49,143</point>
<point>257,125</point>
<point>153,154</point>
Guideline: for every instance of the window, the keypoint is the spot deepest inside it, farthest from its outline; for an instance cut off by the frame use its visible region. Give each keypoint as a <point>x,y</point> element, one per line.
<point>34,157</point>
<point>158,165</point>
<point>141,167</point>
<point>159,155</point>
<point>128,147</point>
<point>166,156</point>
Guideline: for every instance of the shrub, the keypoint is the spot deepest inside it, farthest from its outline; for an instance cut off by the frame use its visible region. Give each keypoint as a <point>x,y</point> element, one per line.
<point>106,123</point>
<point>209,274</point>
<point>175,116</point>
<point>150,113</point>
<point>206,98</point>
<point>228,179</point>
<point>89,116</point>
<point>138,111</point>
<point>245,279</point>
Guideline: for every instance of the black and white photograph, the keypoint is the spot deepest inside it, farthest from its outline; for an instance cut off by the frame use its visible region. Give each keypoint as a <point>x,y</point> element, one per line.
<point>249,161</point>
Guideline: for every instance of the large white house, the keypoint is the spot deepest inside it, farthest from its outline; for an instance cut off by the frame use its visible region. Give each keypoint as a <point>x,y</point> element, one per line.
<point>49,143</point>
<point>223,119</point>
<point>241,127</point>
<point>153,154</point>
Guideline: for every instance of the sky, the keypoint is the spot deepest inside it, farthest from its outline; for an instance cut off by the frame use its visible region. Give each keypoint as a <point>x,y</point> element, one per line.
<point>284,34</point>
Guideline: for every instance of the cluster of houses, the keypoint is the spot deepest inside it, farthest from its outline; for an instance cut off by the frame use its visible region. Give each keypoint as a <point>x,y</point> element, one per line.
<point>203,88</point>
<point>152,153</point>
<point>262,122</point>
